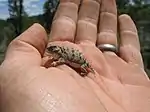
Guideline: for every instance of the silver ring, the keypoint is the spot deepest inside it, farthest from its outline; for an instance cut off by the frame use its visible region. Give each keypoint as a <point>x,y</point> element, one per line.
<point>108,47</point>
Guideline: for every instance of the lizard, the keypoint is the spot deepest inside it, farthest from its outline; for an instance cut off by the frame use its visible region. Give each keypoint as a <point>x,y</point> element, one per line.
<point>70,56</point>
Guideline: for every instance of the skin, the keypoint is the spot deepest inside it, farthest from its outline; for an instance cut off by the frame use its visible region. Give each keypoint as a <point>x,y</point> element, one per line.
<point>119,85</point>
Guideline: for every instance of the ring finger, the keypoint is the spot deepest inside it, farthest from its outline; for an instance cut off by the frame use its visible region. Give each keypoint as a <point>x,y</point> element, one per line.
<point>107,33</point>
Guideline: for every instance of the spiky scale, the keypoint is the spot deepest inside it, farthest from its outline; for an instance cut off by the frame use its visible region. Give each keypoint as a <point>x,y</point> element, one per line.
<point>69,56</point>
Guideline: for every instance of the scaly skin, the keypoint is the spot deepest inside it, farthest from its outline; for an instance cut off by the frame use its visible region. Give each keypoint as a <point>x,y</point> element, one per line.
<point>71,56</point>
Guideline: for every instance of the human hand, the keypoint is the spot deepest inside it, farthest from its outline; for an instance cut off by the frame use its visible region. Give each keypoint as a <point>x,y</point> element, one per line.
<point>119,84</point>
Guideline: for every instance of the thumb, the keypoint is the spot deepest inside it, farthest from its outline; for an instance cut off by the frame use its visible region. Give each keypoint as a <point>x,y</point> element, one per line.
<point>28,48</point>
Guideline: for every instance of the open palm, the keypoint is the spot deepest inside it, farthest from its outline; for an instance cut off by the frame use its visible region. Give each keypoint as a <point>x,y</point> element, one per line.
<point>119,84</point>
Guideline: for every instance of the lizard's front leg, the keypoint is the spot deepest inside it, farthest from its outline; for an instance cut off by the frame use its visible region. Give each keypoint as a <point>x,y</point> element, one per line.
<point>60,61</point>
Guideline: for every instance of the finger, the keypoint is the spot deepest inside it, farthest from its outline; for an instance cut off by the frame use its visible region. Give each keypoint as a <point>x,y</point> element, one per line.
<point>64,23</point>
<point>108,23</point>
<point>87,21</point>
<point>132,75</point>
<point>128,32</point>
<point>29,47</point>
<point>129,41</point>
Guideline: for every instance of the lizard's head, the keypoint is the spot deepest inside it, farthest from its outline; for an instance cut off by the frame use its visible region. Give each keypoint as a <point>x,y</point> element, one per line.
<point>53,49</point>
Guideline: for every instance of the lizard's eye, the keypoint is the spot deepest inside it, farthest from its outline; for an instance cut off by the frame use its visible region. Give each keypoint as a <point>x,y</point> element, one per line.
<point>53,48</point>
<point>56,49</point>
